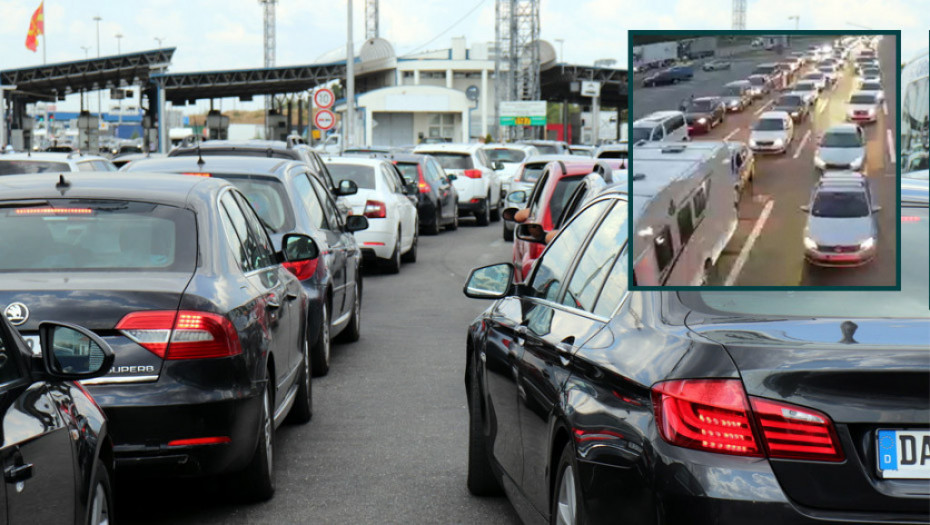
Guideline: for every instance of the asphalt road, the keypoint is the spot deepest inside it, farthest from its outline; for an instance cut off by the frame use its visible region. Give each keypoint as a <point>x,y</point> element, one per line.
<point>784,182</point>
<point>387,443</point>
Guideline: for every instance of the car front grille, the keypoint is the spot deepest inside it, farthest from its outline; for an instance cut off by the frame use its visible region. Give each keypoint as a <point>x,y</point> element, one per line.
<point>837,249</point>
<point>831,166</point>
<point>764,143</point>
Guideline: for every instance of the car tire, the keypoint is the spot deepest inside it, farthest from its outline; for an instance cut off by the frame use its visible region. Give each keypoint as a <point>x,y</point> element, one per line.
<point>393,264</point>
<point>353,332</point>
<point>411,255</point>
<point>436,227</point>
<point>302,409</point>
<point>496,212</point>
<point>484,213</point>
<point>508,233</point>
<point>454,225</point>
<point>100,500</point>
<point>256,481</point>
<point>566,496</point>
<point>322,349</point>
<point>481,480</point>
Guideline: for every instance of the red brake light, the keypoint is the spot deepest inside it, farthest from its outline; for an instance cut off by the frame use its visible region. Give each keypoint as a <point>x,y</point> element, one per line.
<point>199,441</point>
<point>198,174</point>
<point>795,432</point>
<point>375,210</point>
<point>422,184</point>
<point>53,211</point>
<point>182,335</point>
<point>472,174</point>
<point>302,269</point>
<point>705,414</point>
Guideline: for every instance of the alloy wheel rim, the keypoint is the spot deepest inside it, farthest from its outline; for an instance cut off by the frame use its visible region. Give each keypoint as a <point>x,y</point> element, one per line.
<point>269,453</point>
<point>567,503</point>
<point>100,508</point>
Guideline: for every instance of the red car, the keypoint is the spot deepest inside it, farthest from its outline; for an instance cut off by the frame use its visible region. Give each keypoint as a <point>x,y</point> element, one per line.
<point>545,206</point>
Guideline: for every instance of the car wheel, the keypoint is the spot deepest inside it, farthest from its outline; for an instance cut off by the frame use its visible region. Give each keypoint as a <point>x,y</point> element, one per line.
<point>393,264</point>
<point>566,501</point>
<point>257,480</point>
<point>436,227</point>
<point>484,213</point>
<point>508,233</point>
<point>353,332</point>
<point>100,504</point>
<point>481,480</point>
<point>496,212</point>
<point>454,225</point>
<point>411,256</point>
<point>322,349</point>
<point>302,409</point>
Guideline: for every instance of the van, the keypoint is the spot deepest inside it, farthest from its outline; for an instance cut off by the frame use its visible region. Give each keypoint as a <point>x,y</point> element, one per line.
<point>667,126</point>
<point>684,212</point>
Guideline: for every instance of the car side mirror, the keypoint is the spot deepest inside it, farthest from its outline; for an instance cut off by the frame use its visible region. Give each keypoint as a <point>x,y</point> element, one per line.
<point>356,223</point>
<point>452,177</point>
<point>490,282</point>
<point>517,197</point>
<point>509,213</point>
<point>297,247</point>
<point>805,208</point>
<point>346,188</point>
<point>530,232</point>
<point>73,352</point>
<point>876,209</point>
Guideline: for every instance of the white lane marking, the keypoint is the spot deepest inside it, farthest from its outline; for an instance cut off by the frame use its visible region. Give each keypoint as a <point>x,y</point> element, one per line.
<point>797,152</point>
<point>764,107</point>
<point>730,134</point>
<point>822,105</point>
<point>891,152</point>
<point>885,108</point>
<point>750,241</point>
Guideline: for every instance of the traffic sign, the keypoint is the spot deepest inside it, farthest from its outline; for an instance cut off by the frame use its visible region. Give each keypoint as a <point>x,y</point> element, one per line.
<point>323,98</point>
<point>523,113</point>
<point>324,119</point>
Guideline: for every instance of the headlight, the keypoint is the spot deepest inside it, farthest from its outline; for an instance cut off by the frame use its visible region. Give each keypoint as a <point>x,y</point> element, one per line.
<point>752,142</point>
<point>702,120</point>
<point>734,102</point>
<point>819,162</point>
<point>867,244</point>
<point>795,114</point>
<point>856,164</point>
<point>809,243</point>
<point>778,143</point>
<point>871,111</point>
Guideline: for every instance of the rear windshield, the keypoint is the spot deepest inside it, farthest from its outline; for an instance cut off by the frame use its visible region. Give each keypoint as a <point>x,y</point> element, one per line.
<point>790,101</point>
<point>871,86</point>
<point>702,105</point>
<point>840,204</point>
<point>267,197</point>
<point>531,172</point>
<point>363,176</point>
<point>89,235</point>
<point>452,161</point>
<point>408,170</point>
<point>840,140</point>
<point>862,99</point>
<point>911,301</point>
<point>613,154</point>
<point>769,124</point>
<point>872,71</point>
<point>511,156</point>
<point>560,196</point>
<point>548,149</point>
<point>805,86</point>
<point>814,76</point>
<point>18,167</point>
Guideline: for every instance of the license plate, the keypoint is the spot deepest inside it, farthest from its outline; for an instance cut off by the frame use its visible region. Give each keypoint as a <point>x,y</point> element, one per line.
<point>32,341</point>
<point>841,257</point>
<point>904,454</point>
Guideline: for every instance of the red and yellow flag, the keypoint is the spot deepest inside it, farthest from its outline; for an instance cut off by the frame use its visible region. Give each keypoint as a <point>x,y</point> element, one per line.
<point>36,28</point>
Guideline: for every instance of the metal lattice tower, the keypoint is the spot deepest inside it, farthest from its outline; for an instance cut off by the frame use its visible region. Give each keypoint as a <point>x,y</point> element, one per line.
<point>269,40</point>
<point>371,19</point>
<point>739,14</point>
<point>516,59</point>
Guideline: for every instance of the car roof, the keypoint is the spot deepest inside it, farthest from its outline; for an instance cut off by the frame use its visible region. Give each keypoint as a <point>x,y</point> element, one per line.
<point>706,98</point>
<point>222,164</point>
<point>658,116</point>
<point>159,188</point>
<point>667,162</point>
<point>842,128</point>
<point>52,156</point>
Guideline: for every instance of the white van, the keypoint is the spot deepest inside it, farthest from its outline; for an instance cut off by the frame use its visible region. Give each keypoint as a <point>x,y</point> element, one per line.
<point>661,126</point>
<point>683,212</point>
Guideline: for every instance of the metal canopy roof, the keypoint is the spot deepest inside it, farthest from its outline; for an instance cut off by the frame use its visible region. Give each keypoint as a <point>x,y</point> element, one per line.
<point>54,81</point>
<point>557,82</point>
<point>246,83</point>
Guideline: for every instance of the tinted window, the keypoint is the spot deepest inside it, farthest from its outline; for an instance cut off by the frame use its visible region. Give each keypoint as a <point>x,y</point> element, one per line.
<point>685,223</point>
<point>613,154</point>
<point>560,195</point>
<point>232,235</point>
<point>329,207</point>
<point>434,171</point>
<point>597,259</point>
<point>548,149</point>
<point>840,140</point>
<point>732,91</point>
<point>16,167</point>
<point>409,171</point>
<point>664,249</point>
<point>73,235</point>
<point>790,102</point>
<point>311,202</point>
<point>640,134</point>
<point>363,176</point>
<point>505,155</point>
<point>674,123</point>
<point>453,161</point>
<point>871,86</point>
<point>769,124</point>
<point>241,228</point>
<point>551,267</point>
<point>862,99</point>
<point>268,198</point>
<point>700,199</point>
<point>702,105</point>
<point>261,252</point>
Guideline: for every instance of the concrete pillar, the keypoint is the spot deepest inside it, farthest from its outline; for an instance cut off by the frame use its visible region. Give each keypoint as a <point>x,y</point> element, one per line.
<point>484,102</point>
<point>162,125</point>
<point>416,77</point>
<point>465,131</point>
<point>369,127</point>
<point>449,78</point>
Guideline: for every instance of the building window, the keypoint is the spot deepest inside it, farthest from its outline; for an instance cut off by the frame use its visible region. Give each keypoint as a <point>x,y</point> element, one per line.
<point>408,74</point>
<point>442,125</point>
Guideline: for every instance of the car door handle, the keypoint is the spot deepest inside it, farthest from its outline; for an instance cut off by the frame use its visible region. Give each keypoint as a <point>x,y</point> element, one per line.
<point>18,473</point>
<point>290,296</point>
<point>272,303</point>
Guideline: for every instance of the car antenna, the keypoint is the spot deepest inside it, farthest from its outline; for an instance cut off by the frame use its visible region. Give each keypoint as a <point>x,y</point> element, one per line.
<point>200,161</point>
<point>62,184</point>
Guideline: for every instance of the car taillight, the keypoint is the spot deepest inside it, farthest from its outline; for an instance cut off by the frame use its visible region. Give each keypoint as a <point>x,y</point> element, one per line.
<point>303,270</point>
<point>472,174</point>
<point>375,210</point>
<point>422,184</point>
<point>705,414</point>
<point>182,335</point>
<point>794,432</point>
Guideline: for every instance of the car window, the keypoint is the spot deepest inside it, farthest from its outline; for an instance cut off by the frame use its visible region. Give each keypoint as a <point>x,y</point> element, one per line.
<point>311,202</point>
<point>439,173</point>
<point>102,165</point>
<point>409,170</point>
<point>329,207</point>
<point>597,259</point>
<point>258,244</point>
<point>614,287</point>
<point>560,194</point>
<point>663,248</point>
<point>237,231</point>
<point>86,166</point>
<point>536,196</point>
<point>550,269</point>
<point>268,198</point>
<point>396,176</point>
<point>840,204</point>
<point>362,176</point>
<point>453,161</point>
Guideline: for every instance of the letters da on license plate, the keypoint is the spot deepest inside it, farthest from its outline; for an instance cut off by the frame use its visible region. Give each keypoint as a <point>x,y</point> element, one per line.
<point>903,454</point>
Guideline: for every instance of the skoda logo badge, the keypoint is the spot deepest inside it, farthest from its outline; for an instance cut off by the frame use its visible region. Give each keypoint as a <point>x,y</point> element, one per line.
<point>17,313</point>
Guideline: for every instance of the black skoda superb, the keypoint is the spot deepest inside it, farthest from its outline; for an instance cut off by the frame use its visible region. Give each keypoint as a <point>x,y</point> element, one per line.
<point>178,275</point>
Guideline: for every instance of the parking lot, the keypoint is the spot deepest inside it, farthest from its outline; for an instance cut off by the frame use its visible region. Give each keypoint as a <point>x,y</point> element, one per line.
<point>767,247</point>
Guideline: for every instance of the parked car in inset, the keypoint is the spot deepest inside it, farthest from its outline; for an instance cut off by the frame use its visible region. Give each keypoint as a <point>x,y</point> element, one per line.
<point>863,107</point>
<point>841,229</point>
<point>841,147</point>
<point>704,113</point>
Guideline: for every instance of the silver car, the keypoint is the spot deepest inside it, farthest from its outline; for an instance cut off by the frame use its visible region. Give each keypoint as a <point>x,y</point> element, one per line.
<point>841,226</point>
<point>842,147</point>
<point>761,85</point>
<point>772,132</point>
<point>818,78</point>
<point>875,88</point>
<point>862,107</point>
<point>807,89</point>
<point>736,96</point>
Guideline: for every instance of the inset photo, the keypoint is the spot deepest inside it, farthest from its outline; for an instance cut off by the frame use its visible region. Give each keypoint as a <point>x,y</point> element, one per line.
<point>765,159</point>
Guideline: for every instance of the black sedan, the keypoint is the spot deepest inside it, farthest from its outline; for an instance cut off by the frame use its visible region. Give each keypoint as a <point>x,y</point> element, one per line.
<point>794,105</point>
<point>704,113</point>
<point>289,199</point>
<point>56,449</point>
<point>178,275</point>
<point>437,201</point>
<point>592,404</point>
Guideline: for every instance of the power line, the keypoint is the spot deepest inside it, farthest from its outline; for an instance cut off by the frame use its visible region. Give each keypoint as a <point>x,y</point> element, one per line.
<point>457,22</point>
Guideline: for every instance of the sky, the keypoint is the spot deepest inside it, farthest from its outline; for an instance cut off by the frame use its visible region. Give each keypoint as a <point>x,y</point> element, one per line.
<point>227,34</point>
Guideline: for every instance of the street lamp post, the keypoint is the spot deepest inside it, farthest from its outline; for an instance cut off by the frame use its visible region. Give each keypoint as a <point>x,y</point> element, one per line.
<point>119,124</point>
<point>97,19</point>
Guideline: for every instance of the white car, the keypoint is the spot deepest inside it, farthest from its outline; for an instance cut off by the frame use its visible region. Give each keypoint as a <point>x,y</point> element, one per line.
<point>29,163</point>
<point>511,156</point>
<point>870,74</point>
<point>808,90</point>
<point>383,198</point>
<point>772,132</point>
<point>819,79</point>
<point>476,180</point>
<point>831,72</point>
<point>873,87</point>
<point>862,107</point>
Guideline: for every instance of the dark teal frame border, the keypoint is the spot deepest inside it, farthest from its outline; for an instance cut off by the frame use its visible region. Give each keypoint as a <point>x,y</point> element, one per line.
<point>631,34</point>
